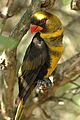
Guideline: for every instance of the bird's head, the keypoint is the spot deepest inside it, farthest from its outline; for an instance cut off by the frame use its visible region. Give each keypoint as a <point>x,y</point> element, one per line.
<point>44,23</point>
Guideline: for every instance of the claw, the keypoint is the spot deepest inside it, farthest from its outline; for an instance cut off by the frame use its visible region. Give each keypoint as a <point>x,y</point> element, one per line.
<point>43,85</point>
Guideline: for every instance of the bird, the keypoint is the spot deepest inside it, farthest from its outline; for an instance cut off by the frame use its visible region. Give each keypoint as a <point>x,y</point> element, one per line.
<point>42,55</point>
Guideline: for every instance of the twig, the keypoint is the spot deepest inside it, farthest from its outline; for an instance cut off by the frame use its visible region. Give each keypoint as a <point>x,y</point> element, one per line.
<point>48,4</point>
<point>9,5</point>
<point>5,14</point>
<point>23,25</point>
<point>9,70</point>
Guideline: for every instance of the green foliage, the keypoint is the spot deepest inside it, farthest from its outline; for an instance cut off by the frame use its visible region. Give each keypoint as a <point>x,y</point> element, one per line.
<point>65,2</point>
<point>7,42</point>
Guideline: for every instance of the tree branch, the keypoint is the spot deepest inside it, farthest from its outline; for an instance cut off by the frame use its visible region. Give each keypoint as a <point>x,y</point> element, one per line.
<point>23,25</point>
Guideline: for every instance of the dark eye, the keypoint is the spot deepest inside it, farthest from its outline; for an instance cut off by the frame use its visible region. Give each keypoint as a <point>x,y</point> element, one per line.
<point>43,21</point>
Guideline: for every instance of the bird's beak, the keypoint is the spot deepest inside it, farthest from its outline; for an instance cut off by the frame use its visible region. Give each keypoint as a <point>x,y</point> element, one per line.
<point>35,28</point>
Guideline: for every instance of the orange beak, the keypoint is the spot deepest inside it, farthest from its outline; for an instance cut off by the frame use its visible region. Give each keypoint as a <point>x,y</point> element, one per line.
<point>35,28</point>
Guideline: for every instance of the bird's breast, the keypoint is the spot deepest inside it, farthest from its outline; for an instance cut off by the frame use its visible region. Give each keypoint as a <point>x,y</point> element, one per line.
<point>55,53</point>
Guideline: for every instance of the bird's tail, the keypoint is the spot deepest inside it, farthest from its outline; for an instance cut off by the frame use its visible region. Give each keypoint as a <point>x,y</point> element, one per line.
<point>19,111</point>
<point>22,102</point>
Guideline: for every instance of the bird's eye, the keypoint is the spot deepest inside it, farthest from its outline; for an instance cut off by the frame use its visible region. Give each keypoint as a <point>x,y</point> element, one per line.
<point>43,21</point>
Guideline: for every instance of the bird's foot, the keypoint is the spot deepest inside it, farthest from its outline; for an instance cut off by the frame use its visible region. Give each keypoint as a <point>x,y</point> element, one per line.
<point>43,85</point>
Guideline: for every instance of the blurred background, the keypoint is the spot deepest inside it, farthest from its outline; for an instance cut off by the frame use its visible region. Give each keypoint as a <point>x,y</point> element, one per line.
<point>65,105</point>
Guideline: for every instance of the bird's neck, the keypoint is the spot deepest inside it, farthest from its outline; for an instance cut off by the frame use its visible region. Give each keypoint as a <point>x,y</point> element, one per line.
<point>49,35</point>
<point>53,39</point>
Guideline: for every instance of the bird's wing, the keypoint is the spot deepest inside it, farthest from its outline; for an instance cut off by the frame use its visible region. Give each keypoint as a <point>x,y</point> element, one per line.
<point>34,59</point>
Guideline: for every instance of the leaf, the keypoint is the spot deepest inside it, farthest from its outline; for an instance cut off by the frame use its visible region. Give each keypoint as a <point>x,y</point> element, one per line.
<point>66,2</point>
<point>7,42</point>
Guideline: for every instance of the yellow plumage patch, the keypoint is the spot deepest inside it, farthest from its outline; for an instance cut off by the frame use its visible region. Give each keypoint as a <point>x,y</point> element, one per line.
<point>55,52</point>
<point>54,58</point>
<point>52,35</point>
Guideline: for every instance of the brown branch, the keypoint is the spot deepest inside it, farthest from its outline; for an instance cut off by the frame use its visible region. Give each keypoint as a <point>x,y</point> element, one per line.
<point>9,5</point>
<point>23,25</point>
<point>7,10</point>
<point>48,4</point>
<point>5,14</point>
<point>75,5</point>
<point>8,64</point>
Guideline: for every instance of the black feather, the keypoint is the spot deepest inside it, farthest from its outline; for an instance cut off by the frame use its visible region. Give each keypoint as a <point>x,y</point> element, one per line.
<point>34,67</point>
